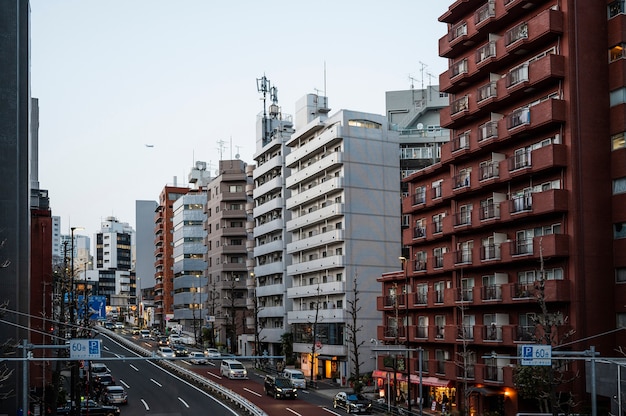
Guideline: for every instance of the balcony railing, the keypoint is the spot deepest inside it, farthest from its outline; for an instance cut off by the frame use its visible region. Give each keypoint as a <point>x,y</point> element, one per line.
<point>465,295</point>
<point>493,373</point>
<point>520,160</point>
<point>485,12</point>
<point>441,367</point>
<point>522,203</point>
<point>492,332</point>
<point>438,264</point>
<point>518,118</point>
<point>419,265</point>
<point>421,332</point>
<point>439,297</point>
<point>419,232</point>
<point>520,247</point>
<point>466,332</point>
<point>490,252</point>
<point>436,191</point>
<point>525,333</point>
<point>457,31</point>
<point>419,197</point>
<point>463,256</point>
<point>459,105</point>
<point>517,33</point>
<point>466,372</point>
<point>489,170</point>
<point>461,180</point>
<point>490,211</point>
<point>491,292</point>
<point>421,298</point>
<point>457,69</point>
<point>486,91</point>
<point>517,75</point>
<point>437,227</point>
<point>463,218</point>
<point>522,290</point>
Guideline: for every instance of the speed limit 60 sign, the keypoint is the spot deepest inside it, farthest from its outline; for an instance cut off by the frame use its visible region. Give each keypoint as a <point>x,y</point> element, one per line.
<point>536,354</point>
<point>84,349</point>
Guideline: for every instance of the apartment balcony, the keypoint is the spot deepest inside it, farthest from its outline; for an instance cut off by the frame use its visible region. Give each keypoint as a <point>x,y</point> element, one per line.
<point>314,169</point>
<point>326,212</point>
<point>392,333</point>
<point>537,203</point>
<point>265,227</point>
<point>458,9</point>
<point>270,290</point>
<point>267,269</point>
<point>268,248</point>
<point>533,76</point>
<point>552,245</point>
<point>547,114</point>
<point>328,138</point>
<point>319,191</point>
<point>544,158</point>
<point>540,30</point>
<point>316,265</point>
<point>515,7</point>
<point>323,315</point>
<point>319,240</point>
<point>329,288</point>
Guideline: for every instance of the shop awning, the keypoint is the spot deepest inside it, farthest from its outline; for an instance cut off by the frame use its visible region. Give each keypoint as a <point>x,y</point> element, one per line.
<point>484,391</point>
<point>415,379</point>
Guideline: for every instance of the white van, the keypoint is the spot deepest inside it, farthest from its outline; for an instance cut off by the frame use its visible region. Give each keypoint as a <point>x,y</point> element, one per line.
<point>296,377</point>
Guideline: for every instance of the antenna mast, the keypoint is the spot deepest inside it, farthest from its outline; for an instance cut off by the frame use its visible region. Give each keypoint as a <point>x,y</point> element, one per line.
<point>263,86</point>
<point>422,66</point>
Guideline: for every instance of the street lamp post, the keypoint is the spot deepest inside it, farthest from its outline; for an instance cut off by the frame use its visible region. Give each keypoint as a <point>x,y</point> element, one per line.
<point>404,261</point>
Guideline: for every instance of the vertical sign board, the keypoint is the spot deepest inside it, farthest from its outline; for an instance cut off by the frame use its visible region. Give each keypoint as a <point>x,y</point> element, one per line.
<point>84,349</point>
<point>536,355</point>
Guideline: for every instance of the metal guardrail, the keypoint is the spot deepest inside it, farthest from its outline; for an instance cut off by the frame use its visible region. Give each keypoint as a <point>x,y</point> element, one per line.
<point>224,393</point>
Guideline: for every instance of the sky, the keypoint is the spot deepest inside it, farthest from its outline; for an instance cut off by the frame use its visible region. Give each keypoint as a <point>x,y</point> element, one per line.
<point>114,76</point>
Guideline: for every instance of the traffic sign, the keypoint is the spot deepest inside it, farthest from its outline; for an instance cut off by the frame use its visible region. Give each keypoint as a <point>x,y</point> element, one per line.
<point>536,355</point>
<point>84,349</point>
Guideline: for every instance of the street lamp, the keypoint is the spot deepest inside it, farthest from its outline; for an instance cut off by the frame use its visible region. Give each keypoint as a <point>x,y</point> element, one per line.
<point>404,261</point>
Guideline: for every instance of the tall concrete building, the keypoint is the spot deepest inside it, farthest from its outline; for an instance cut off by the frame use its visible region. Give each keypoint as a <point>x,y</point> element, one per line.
<point>268,301</point>
<point>145,255</point>
<point>526,207</point>
<point>15,185</point>
<point>228,228</point>
<point>345,232</point>
<point>163,249</point>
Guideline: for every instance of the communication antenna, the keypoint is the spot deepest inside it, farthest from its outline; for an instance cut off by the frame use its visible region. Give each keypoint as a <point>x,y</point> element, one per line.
<point>263,86</point>
<point>237,156</point>
<point>422,66</point>
<point>412,80</point>
<point>220,147</point>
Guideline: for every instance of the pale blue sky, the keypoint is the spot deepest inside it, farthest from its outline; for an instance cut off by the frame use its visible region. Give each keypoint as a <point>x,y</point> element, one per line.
<point>114,75</point>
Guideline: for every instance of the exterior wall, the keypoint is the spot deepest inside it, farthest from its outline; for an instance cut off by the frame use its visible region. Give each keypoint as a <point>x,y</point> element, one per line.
<point>269,284</point>
<point>227,228</point>
<point>344,230</point>
<point>163,243</point>
<point>15,186</point>
<point>520,192</point>
<point>144,237</point>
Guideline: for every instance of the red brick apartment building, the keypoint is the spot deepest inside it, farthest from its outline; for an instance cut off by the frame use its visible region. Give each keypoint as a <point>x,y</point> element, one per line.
<point>163,249</point>
<point>532,184</point>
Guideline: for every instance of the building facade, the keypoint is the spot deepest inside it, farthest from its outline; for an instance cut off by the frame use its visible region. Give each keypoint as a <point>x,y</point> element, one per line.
<point>268,301</point>
<point>518,221</point>
<point>163,250</point>
<point>345,231</point>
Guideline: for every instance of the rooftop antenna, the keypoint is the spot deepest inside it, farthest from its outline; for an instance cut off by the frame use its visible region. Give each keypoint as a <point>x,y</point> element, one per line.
<point>325,79</point>
<point>412,80</point>
<point>422,66</point>
<point>220,148</point>
<point>263,86</point>
<point>237,156</point>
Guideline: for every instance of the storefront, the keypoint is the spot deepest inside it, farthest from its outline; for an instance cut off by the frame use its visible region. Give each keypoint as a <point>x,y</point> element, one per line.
<point>434,391</point>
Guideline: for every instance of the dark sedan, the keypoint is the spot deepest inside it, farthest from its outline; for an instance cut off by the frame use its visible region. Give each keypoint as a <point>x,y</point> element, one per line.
<point>352,402</point>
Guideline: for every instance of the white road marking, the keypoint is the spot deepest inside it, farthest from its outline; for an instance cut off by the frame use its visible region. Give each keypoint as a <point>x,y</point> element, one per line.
<point>252,391</point>
<point>155,382</point>
<point>183,402</point>
<point>125,385</point>
<point>330,411</point>
<point>145,404</point>
<point>293,411</point>
<point>106,348</point>
<point>133,367</point>
<point>214,375</point>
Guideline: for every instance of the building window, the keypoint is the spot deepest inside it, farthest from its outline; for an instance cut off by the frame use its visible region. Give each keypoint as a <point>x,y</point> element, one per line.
<point>235,188</point>
<point>617,97</point>
<point>616,52</point>
<point>619,186</point>
<point>618,141</point>
<point>619,230</point>
<point>621,320</point>
<point>367,124</point>
<point>620,275</point>
<point>615,8</point>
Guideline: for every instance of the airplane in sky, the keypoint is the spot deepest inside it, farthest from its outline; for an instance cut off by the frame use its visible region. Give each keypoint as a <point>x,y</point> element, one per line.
<point>149,145</point>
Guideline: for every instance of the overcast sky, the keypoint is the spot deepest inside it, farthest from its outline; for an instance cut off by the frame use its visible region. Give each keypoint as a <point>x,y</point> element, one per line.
<point>114,75</point>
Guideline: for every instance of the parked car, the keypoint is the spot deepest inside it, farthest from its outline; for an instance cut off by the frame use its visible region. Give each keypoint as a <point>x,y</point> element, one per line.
<point>166,352</point>
<point>212,353</point>
<point>296,377</point>
<point>90,408</point>
<point>279,387</point>
<point>352,402</point>
<point>114,395</point>
<point>180,350</point>
<point>233,369</point>
<point>198,358</point>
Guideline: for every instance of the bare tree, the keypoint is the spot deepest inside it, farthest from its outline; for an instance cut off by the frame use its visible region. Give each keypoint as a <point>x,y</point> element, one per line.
<point>353,329</point>
<point>541,382</point>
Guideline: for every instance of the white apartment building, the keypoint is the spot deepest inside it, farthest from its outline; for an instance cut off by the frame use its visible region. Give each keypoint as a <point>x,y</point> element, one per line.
<point>345,229</point>
<point>268,284</point>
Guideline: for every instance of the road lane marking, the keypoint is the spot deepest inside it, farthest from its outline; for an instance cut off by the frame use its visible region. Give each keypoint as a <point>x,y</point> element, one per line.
<point>252,391</point>
<point>304,391</point>
<point>330,411</point>
<point>145,404</point>
<point>125,385</point>
<point>214,375</point>
<point>183,402</point>
<point>155,382</point>
<point>293,411</point>
<point>133,367</point>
